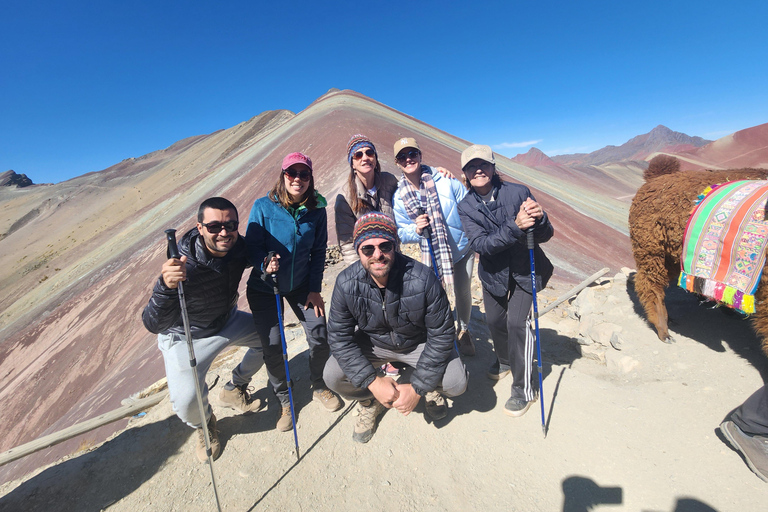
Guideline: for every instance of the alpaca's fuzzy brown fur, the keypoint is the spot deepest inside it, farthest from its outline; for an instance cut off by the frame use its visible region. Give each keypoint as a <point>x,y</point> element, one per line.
<point>657,220</point>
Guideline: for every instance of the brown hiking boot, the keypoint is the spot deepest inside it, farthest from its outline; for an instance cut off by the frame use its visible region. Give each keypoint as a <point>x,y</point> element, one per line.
<point>213,436</point>
<point>285,421</point>
<point>435,405</point>
<point>367,413</point>
<point>466,345</point>
<point>328,398</point>
<point>240,399</point>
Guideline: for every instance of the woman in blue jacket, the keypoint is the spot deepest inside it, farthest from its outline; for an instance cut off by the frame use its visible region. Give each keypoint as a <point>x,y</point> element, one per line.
<point>291,221</point>
<point>426,198</point>
<point>496,216</point>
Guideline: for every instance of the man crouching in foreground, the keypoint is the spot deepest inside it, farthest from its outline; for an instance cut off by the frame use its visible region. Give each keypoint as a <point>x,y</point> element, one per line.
<point>213,258</point>
<point>390,308</point>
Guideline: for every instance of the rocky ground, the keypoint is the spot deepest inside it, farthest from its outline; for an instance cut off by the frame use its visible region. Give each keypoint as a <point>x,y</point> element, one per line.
<point>632,425</point>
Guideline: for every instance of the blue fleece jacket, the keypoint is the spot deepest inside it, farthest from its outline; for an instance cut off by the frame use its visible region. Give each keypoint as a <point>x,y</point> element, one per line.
<point>299,236</point>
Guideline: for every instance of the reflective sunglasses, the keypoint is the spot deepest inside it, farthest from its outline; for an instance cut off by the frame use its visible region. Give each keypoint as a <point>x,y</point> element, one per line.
<point>303,174</point>
<point>384,247</point>
<point>412,154</point>
<point>215,228</point>
<point>359,154</point>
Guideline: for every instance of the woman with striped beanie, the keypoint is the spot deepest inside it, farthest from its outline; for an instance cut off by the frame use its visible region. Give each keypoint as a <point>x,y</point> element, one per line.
<point>368,189</point>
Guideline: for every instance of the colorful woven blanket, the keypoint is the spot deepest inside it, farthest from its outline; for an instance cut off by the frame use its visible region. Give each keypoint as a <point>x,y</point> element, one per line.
<point>724,244</point>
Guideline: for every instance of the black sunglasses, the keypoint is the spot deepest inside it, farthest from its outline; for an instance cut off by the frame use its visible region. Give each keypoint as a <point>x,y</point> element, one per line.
<point>412,154</point>
<point>303,174</point>
<point>214,228</point>
<point>384,247</point>
<point>359,154</point>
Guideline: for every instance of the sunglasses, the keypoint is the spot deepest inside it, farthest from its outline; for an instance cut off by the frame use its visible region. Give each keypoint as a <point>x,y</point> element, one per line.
<point>472,168</point>
<point>303,174</point>
<point>384,247</point>
<point>412,154</point>
<point>215,228</point>
<point>359,154</point>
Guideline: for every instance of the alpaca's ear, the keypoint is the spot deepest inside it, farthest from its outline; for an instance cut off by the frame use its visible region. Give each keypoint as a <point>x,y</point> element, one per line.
<point>661,165</point>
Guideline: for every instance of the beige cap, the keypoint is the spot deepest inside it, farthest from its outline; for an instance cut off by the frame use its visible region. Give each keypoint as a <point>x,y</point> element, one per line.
<point>477,151</point>
<point>405,142</point>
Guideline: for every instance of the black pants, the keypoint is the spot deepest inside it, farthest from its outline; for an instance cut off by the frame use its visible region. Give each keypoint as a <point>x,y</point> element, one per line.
<point>752,415</point>
<point>513,339</point>
<point>264,310</point>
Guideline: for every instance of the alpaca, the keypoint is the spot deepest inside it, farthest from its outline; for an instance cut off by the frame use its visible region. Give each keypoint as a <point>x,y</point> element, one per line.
<point>657,220</point>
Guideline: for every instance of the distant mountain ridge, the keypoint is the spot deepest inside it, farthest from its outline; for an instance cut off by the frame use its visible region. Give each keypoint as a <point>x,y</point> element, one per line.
<point>660,139</point>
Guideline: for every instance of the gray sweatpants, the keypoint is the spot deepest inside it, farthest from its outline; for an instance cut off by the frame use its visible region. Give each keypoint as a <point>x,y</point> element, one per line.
<point>454,381</point>
<point>239,331</point>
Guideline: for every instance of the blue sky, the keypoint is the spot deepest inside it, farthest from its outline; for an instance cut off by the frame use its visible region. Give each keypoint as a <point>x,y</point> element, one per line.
<point>84,85</point>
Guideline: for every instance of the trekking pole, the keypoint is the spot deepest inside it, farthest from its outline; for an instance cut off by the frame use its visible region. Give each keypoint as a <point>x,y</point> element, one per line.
<point>173,252</point>
<point>427,232</point>
<point>529,235</point>
<point>279,302</point>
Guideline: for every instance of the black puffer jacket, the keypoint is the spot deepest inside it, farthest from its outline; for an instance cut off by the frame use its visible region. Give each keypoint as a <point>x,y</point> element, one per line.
<point>415,311</point>
<point>210,290</point>
<point>504,256</point>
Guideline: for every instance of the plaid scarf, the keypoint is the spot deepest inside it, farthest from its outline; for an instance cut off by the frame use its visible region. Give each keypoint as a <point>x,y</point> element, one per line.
<point>426,198</point>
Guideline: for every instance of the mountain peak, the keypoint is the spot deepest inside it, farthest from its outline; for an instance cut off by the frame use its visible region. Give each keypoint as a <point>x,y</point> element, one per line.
<point>660,139</point>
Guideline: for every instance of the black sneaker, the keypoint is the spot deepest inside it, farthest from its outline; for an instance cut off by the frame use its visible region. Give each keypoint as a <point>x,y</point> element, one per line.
<point>516,406</point>
<point>498,371</point>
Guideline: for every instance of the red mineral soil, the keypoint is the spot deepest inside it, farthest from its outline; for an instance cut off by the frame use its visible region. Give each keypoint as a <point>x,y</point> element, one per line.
<point>745,148</point>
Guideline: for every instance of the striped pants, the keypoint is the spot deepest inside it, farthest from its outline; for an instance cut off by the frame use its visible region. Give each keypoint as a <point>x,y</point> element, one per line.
<point>510,321</point>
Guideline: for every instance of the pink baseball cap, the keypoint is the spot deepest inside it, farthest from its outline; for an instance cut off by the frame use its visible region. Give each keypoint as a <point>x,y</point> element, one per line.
<point>296,158</point>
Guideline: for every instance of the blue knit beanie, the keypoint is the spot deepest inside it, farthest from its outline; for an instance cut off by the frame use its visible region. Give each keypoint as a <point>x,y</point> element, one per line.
<point>358,142</point>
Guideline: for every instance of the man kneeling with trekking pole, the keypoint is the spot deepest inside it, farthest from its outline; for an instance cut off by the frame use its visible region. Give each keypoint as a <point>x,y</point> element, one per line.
<point>388,308</point>
<point>213,258</point>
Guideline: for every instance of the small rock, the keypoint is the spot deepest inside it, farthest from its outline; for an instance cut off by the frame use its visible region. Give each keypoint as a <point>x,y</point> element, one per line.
<point>617,341</point>
<point>595,352</point>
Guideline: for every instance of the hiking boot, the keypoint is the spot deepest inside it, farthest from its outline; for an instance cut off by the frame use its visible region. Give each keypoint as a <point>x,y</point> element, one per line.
<point>240,399</point>
<point>516,406</point>
<point>367,413</point>
<point>285,421</point>
<point>498,371</point>
<point>435,405</point>
<point>466,346</point>
<point>753,448</point>
<point>328,398</point>
<point>213,436</point>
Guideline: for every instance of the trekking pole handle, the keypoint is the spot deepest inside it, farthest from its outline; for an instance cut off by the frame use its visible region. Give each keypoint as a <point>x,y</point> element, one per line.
<point>427,232</point>
<point>529,236</point>
<point>173,249</point>
<point>264,274</point>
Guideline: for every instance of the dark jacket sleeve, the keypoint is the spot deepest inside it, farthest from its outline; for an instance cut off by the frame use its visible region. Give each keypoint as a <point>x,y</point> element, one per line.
<point>542,230</point>
<point>341,335</point>
<point>345,225</point>
<point>255,238</point>
<point>163,310</point>
<point>440,335</point>
<point>482,239</point>
<point>317,255</point>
